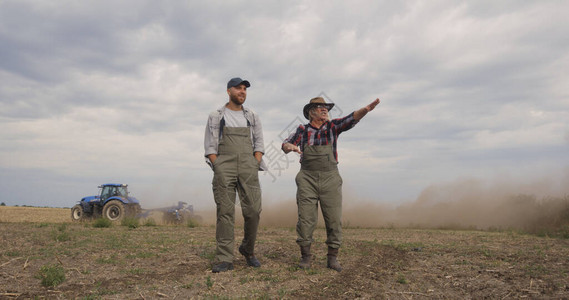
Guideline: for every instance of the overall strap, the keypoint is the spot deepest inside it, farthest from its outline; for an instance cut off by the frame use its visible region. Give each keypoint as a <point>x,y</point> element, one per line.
<point>305,136</point>
<point>330,133</point>
<point>221,125</point>
<point>245,116</point>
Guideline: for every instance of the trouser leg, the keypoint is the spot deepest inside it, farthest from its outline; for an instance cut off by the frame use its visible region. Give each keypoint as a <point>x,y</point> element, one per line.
<point>224,186</point>
<point>331,203</point>
<point>250,196</point>
<point>307,202</point>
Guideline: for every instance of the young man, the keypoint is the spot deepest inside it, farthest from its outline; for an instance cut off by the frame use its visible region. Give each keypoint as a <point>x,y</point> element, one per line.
<point>318,179</point>
<point>234,149</point>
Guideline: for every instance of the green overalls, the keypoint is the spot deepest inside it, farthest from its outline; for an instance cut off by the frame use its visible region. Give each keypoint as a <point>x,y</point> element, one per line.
<point>236,169</point>
<point>319,180</point>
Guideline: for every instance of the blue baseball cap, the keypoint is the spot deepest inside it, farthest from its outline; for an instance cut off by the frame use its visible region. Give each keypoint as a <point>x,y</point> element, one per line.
<point>237,81</point>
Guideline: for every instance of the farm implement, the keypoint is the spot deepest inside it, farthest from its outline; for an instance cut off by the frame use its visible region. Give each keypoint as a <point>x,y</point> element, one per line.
<point>179,214</point>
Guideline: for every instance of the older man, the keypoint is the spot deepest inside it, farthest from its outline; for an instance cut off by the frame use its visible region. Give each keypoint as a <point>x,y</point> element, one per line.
<point>318,179</point>
<point>234,150</point>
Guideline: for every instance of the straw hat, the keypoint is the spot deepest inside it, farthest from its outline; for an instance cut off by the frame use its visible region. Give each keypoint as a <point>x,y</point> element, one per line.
<point>314,102</point>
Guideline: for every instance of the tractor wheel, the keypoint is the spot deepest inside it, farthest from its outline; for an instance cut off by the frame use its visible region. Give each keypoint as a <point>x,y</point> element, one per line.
<point>77,213</point>
<point>114,210</point>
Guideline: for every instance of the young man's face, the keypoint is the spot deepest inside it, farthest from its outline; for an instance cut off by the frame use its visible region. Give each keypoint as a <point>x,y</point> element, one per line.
<point>237,94</point>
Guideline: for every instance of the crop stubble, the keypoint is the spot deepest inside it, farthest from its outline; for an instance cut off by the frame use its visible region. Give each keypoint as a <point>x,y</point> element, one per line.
<point>175,262</point>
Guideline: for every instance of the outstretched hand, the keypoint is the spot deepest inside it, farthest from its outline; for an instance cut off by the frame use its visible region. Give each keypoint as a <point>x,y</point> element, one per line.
<point>360,113</point>
<point>372,105</point>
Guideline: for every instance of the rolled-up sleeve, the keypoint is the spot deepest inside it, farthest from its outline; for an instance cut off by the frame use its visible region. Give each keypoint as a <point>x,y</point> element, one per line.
<point>346,123</point>
<point>210,139</point>
<point>210,144</point>
<point>258,142</point>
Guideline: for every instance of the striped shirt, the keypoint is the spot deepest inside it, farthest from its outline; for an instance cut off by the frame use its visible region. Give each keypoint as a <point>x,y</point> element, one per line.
<point>325,135</point>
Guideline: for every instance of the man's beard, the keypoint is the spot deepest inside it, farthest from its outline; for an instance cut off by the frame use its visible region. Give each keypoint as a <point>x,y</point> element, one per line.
<point>315,115</point>
<point>236,100</point>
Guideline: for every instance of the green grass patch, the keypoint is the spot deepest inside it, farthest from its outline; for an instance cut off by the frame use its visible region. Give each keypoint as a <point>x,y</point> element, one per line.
<point>536,271</point>
<point>312,271</point>
<point>401,279</point>
<point>112,260</point>
<point>188,286</point>
<point>12,253</point>
<point>406,246</point>
<point>149,222</point>
<point>272,255</point>
<point>192,223</point>
<point>130,222</point>
<point>102,223</point>
<point>209,282</point>
<point>60,234</point>
<point>208,254</point>
<point>244,280</point>
<point>293,268</point>
<point>267,275</point>
<point>136,271</point>
<point>142,254</point>
<point>51,275</point>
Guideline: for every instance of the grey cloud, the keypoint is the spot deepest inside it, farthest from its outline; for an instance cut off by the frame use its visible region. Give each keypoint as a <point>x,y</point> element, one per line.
<point>446,72</point>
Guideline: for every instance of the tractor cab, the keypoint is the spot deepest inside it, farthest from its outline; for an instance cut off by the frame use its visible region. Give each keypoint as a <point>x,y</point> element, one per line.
<point>113,190</point>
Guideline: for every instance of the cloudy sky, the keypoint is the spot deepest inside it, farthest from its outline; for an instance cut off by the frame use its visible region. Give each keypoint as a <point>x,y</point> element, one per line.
<point>119,91</point>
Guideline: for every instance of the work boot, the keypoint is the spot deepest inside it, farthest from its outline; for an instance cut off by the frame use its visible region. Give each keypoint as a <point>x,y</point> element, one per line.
<point>332,261</point>
<point>222,267</point>
<point>306,257</point>
<point>252,261</point>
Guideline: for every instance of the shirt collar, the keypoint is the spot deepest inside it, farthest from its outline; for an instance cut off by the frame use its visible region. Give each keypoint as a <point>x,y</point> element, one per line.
<point>223,107</point>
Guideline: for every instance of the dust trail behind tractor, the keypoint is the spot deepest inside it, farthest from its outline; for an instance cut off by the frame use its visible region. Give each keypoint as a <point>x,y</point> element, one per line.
<point>174,215</point>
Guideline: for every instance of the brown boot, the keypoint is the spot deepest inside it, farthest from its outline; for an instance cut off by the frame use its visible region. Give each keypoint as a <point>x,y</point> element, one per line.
<point>306,257</point>
<point>332,261</point>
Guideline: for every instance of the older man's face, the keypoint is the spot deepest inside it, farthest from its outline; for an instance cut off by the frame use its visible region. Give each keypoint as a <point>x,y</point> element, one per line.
<point>237,94</point>
<point>320,112</point>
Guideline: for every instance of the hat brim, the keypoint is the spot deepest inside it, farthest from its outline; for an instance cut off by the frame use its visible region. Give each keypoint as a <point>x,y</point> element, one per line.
<point>308,106</point>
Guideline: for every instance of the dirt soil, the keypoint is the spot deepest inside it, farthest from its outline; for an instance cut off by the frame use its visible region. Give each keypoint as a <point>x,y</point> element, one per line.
<point>174,262</point>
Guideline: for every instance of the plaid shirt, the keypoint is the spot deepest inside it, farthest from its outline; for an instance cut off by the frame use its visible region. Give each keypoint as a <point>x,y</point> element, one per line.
<point>327,134</point>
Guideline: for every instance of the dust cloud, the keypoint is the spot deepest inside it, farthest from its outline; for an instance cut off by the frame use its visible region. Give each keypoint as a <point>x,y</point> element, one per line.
<point>461,204</point>
<point>471,204</point>
<point>279,214</point>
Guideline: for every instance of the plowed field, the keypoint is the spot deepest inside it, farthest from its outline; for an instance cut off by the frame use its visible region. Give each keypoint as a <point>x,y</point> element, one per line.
<point>150,262</point>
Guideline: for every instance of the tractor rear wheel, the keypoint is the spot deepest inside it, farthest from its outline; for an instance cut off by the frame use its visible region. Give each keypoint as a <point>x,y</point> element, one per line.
<point>114,210</point>
<point>77,213</point>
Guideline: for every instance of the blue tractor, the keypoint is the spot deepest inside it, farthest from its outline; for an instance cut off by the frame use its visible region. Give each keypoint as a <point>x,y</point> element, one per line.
<point>113,203</point>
